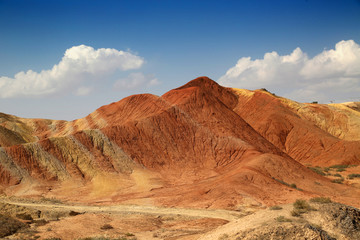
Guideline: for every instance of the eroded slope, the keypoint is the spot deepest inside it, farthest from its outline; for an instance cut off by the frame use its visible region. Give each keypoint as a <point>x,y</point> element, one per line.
<point>200,145</point>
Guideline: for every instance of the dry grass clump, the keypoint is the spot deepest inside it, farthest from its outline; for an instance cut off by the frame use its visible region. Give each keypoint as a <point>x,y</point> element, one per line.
<point>283,219</point>
<point>9,225</point>
<point>224,237</point>
<point>300,207</point>
<point>321,200</point>
<point>275,207</point>
<point>24,216</point>
<point>106,227</point>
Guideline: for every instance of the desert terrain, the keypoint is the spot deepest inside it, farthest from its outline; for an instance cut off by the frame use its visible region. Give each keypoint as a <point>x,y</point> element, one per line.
<point>200,162</point>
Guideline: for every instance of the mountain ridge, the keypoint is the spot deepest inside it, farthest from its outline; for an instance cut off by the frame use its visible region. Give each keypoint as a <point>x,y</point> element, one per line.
<point>232,146</point>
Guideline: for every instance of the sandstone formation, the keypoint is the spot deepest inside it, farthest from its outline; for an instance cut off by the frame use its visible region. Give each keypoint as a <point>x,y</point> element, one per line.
<point>200,145</point>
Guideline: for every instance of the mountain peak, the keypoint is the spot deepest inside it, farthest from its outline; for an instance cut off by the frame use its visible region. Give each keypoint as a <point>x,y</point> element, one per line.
<point>200,82</point>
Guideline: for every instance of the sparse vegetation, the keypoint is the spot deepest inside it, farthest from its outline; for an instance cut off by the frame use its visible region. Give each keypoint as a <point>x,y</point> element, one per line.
<point>353,175</point>
<point>293,185</point>
<point>265,90</point>
<point>300,207</point>
<point>106,227</point>
<point>24,216</point>
<point>224,237</point>
<point>40,222</point>
<point>73,213</point>
<point>276,207</point>
<point>316,226</point>
<point>301,204</point>
<point>9,225</point>
<point>339,166</point>
<point>340,169</point>
<point>283,219</point>
<point>339,180</point>
<point>321,200</point>
<point>295,213</point>
<point>337,175</point>
<point>318,170</point>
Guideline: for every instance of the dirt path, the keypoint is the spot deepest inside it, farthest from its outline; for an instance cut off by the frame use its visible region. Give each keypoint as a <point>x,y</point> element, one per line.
<point>203,213</point>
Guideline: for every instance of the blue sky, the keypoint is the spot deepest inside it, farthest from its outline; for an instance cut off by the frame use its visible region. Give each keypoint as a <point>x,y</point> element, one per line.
<point>169,43</point>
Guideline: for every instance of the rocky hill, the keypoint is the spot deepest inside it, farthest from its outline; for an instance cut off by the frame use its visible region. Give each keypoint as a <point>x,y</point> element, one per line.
<point>200,145</point>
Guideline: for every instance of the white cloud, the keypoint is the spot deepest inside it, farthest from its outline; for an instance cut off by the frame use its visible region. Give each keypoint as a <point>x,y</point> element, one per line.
<point>135,80</point>
<point>79,63</point>
<point>331,75</point>
<point>83,91</point>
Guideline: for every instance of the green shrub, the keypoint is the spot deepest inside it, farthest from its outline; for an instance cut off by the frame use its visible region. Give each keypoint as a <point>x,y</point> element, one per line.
<point>295,213</point>
<point>301,204</point>
<point>276,208</point>
<point>281,181</point>
<point>354,175</point>
<point>340,170</point>
<point>320,200</point>
<point>317,170</point>
<point>300,207</point>
<point>282,219</point>
<point>339,180</point>
<point>339,166</point>
<point>106,227</point>
<point>293,185</point>
<point>337,175</point>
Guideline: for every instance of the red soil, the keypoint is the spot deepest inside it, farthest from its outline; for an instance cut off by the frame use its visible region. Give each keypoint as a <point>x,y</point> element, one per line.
<point>200,145</point>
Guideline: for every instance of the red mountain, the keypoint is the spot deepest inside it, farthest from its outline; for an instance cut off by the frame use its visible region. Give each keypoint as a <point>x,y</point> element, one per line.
<point>200,145</point>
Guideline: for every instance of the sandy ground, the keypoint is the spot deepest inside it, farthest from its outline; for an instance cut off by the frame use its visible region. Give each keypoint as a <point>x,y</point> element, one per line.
<point>254,220</point>
<point>132,221</point>
<point>149,222</point>
<point>203,213</point>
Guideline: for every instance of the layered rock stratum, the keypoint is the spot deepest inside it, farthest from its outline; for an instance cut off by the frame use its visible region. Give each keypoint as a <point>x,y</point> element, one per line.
<point>200,145</point>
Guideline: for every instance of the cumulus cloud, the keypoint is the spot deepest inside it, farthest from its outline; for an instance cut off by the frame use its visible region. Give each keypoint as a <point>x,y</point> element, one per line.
<point>331,75</point>
<point>135,80</point>
<point>83,91</point>
<point>79,64</point>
